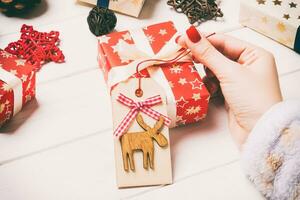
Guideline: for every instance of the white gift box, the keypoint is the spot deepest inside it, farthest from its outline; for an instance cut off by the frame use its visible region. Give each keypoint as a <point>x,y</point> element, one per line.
<point>277,19</point>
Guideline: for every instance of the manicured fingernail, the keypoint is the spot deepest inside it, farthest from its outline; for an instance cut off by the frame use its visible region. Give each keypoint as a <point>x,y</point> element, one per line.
<point>193,34</point>
<point>177,38</point>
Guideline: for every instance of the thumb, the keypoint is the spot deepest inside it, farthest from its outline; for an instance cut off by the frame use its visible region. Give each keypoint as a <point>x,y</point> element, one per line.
<point>206,53</point>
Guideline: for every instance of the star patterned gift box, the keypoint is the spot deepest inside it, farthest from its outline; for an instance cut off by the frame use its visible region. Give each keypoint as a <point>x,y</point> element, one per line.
<point>277,19</point>
<point>128,7</point>
<point>187,96</point>
<point>17,85</point>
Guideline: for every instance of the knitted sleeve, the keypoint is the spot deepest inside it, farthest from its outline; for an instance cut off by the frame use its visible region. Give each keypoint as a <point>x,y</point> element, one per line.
<point>271,154</point>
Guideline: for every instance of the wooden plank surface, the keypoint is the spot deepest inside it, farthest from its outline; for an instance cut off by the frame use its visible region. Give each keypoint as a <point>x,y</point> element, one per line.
<point>60,146</point>
<point>223,182</point>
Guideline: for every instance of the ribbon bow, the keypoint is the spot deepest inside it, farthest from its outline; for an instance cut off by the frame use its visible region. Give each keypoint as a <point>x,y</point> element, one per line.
<point>135,107</point>
<point>138,53</point>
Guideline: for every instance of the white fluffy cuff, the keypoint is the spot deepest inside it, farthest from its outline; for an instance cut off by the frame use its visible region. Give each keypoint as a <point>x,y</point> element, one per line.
<point>271,154</point>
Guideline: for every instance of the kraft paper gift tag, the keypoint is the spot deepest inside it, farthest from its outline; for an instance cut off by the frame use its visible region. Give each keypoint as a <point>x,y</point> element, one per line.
<point>127,7</point>
<point>161,171</point>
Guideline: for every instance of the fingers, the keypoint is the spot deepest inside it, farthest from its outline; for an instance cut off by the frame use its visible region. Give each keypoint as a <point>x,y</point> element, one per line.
<point>231,47</point>
<point>206,53</point>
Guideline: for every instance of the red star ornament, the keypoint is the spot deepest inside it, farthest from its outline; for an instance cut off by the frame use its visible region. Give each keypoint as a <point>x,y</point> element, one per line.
<point>36,47</point>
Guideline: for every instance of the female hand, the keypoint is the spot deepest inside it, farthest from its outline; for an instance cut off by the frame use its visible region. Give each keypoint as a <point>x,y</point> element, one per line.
<point>247,76</point>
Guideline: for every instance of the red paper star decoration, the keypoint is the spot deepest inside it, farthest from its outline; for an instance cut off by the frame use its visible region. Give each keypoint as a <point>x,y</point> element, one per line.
<point>36,47</point>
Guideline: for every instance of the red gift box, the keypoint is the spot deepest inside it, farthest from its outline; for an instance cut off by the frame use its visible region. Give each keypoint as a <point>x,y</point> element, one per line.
<point>120,52</point>
<point>17,85</point>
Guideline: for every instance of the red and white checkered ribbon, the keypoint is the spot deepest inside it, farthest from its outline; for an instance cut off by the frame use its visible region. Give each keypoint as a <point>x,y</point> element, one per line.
<point>135,107</point>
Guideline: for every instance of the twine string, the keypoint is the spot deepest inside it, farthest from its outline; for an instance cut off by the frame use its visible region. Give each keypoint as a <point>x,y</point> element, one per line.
<point>183,52</point>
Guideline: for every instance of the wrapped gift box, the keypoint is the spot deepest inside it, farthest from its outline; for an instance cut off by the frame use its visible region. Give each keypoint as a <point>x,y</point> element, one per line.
<point>277,19</point>
<point>128,7</point>
<point>187,96</point>
<point>17,85</point>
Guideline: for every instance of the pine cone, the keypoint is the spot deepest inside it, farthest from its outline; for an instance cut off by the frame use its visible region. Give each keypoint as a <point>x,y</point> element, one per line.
<point>15,7</point>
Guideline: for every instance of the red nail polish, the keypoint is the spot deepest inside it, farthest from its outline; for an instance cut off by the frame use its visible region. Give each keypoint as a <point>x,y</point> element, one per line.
<point>177,38</point>
<point>193,34</point>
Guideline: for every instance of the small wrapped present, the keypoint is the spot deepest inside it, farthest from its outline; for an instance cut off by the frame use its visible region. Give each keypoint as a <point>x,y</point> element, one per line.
<point>121,52</point>
<point>17,85</point>
<point>128,7</point>
<point>277,19</point>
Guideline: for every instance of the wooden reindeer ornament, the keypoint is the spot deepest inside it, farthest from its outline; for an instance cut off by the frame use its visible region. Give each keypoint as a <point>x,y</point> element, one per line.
<point>143,141</point>
<point>142,150</point>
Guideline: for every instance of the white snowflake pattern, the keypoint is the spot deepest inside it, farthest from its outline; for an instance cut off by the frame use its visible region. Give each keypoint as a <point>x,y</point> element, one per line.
<point>20,62</point>
<point>127,36</point>
<point>5,54</point>
<point>178,118</point>
<point>176,69</point>
<point>124,59</point>
<point>6,87</point>
<point>116,47</point>
<point>193,110</point>
<point>182,81</point>
<point>150,38</point>
<point>104,39</point>
<point>162,32</point>
<point>3,105</point>
<point>196,96</point>
<point>24,78</point>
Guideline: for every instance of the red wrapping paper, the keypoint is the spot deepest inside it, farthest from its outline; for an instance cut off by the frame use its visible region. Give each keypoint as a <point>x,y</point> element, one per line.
<point>25,73</point>
<point>184,80</point>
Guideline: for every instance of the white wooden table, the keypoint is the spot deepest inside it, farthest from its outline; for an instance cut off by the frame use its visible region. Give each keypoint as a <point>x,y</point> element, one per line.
<point>60,146</point>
